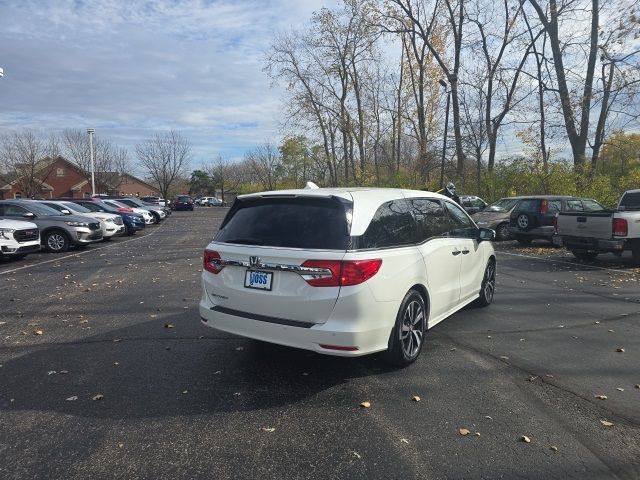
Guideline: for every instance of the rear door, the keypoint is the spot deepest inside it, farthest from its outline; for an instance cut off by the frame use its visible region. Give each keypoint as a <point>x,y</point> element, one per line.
<point>263,244</point>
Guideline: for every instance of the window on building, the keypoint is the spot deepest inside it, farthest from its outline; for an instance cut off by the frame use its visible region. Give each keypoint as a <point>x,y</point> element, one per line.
<point>59,172</point>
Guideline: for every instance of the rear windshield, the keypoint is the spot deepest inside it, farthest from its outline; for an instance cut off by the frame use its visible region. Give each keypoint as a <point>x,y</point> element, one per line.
<point>293,222</point>
<point>630,201</point>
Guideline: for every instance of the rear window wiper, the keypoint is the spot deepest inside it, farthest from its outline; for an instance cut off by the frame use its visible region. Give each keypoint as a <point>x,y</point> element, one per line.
<point>244,241</point>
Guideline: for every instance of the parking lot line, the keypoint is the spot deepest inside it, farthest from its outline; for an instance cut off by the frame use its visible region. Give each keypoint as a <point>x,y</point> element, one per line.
<point>57,259</point>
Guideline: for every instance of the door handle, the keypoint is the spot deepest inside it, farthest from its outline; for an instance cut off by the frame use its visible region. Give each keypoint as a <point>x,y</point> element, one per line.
<point>456,252</point>
<point>464,252</point>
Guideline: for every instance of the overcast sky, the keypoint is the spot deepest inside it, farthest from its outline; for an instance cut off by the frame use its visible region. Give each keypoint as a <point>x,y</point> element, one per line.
<point>129,68</point>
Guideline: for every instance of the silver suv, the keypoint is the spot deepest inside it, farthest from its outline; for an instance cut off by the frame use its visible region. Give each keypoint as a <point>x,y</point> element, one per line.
<point>57,231</point>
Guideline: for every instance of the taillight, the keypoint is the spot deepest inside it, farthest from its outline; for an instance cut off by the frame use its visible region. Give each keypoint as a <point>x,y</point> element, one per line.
<point>207,264</point>
<point>620,228</point>
<point>343,273</point>
<point>123,209</point>
<point>544,207</point>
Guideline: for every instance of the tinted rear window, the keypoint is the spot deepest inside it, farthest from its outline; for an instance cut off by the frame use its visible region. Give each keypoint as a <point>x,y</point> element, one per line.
<point>631,201</point>
<point>317,223</point>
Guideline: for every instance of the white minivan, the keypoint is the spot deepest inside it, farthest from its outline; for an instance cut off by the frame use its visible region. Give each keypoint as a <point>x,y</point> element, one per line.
<point>345,271</point>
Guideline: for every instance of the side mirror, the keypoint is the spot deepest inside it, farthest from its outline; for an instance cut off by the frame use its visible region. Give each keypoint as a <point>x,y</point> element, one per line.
<point>486,234</point>
<point>65,211</point>
<point>29,215</point>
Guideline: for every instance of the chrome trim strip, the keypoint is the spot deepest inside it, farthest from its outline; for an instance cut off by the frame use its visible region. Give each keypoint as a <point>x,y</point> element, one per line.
<point>299,269</point>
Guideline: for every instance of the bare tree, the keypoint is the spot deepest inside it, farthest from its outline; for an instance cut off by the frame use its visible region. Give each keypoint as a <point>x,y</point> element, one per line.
<point>165,157</point>
<point>108,158</point>
<point>28,159</point>
<point>575,59</point>
<point>266,165</point>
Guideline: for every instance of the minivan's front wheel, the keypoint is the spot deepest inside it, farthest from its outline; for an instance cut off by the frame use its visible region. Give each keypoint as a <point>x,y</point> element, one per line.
<point>56,241</point>
<point>407,335</point>
<point>488,285</point>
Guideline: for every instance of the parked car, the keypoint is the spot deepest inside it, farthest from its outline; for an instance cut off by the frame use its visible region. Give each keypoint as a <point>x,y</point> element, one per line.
<point>155,210</point>
<point>211,202</point>
<point>155,200</point>
<point>496,217</point>
<point>111,224</point>
<point>533,217</point>
<point>594,230</point>
<point>18,238</point>
<point>472,204</point>
<point>182,202</point>
<point>132,221</point>
<point>57,231</point>
<point>146,214</point>
<point>345,272</point>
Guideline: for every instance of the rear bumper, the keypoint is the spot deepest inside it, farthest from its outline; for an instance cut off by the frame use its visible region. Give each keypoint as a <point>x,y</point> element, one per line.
<point>588,243</point>
<point>357,321</point>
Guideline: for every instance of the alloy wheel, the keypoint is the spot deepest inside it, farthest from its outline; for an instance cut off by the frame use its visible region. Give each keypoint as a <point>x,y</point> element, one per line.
<point>56,242</point>
<point>489,282</point>
<point>413,326</point>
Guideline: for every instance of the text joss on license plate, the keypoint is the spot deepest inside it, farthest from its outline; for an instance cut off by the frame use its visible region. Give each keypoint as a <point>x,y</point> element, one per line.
<point>259,280</point>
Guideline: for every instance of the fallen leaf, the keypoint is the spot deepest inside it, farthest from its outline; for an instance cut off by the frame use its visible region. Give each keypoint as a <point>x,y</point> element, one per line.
<point>404,440</point>
<point>71,399</point>
<point>620,350</point>
<point>464,432</point>
<point>98,397</point>
<point>415,398</point>
<point>488,417</point>
<point>217,372</point>
<point>184,392</point>
<point>477,434</point>
<point>531,379</point>
<point>239,349</point>
<point>120,445</point>
<point>356,454</point>
<point>116,363</point>
<point>620,389</point>
<point>365,404</point>
<point>525,439</point>
<point>553,448</point>
<point>597,323</point>
<point>116,340</point>
<point>63,372</point>
<point>168,325</point>
<point>38,332</point>
<point>51,372</point>
<point>268,429</point>
<point>606,423</point>
<point>504,357</point>
<point>601,397</point>
<point>637,386</point>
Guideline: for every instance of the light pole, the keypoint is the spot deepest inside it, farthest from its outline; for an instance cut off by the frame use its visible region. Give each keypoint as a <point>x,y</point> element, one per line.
<point>91,131</point>
<point>446,126</point>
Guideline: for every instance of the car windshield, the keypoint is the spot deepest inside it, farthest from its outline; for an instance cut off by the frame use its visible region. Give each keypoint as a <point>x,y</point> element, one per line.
<point>502,205</point>
<point>41,209</point>
<point>75,207</point>
<point>315,223</point>
<point>115,203</point>
<point>135,201</point>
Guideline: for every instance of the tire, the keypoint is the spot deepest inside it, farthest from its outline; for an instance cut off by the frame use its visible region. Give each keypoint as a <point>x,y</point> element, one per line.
<point>156,218</point>
<point>524,240</point>
<point>583,254</point>
<point>407,337</point>
<point>56,241</point>
<point>488,285</point>
<point>524,222</point>
<point>502,232</point>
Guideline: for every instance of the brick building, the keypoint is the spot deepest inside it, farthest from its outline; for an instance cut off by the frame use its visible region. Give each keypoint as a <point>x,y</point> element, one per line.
<point>61,178</point>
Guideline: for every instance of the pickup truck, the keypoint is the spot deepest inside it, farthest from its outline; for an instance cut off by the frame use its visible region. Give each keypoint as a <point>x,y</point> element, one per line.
<point>588,233</point>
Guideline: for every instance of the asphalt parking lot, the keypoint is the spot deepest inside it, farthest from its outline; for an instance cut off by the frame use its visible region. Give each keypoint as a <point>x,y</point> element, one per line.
<point>124,382</point>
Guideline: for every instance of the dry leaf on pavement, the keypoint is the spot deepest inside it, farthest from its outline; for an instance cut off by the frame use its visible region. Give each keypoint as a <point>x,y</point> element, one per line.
<point>71,399</point>
<point>365,404</point>
<point>553,448</point>
<point>415,398</point>
<point>98,397</point>
<point>464,432</point>
<point>268,429</point>
<point>525,439</point>
<point>606,423</point>
<point>620,350</point>
<point>38,332</point>
<point>601,397</point>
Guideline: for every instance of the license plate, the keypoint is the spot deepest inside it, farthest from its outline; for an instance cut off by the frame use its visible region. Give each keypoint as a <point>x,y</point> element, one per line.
<point>259,280</point>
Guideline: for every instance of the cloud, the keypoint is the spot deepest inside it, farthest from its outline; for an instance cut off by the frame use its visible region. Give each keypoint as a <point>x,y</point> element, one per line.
<point>129,68</point>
